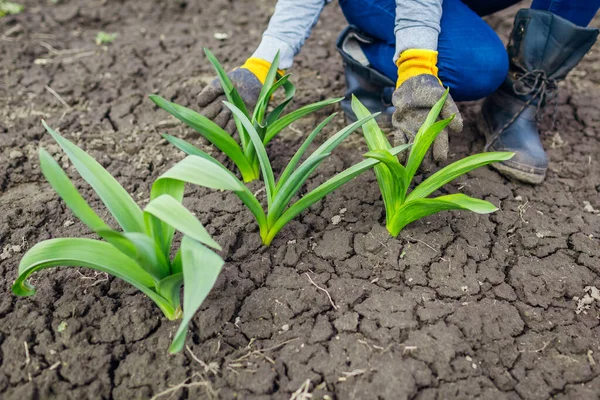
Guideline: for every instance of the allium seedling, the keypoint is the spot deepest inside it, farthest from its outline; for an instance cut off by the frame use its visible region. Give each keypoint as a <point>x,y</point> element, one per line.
<point>280,193</point>
<point>141,253</point>
<point>256,130</point>
<point>266,125</point>
<point>394,179</point>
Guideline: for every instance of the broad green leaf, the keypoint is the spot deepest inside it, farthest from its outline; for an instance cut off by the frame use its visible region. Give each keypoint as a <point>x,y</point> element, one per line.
<point>291,187</point>
<point>283,122</point>
<point>417,209</point>
<point>189,148</point>
<point>421,144</point>
<point>86,253</point>
<point>376,140</point>
<point>258,117</point>
<point>290,91</point>
<point>173,213</point>
<point>255,208</point>
<point>454,170</point>
<point>176,266</point>
<point>395,180</point>
<point>374,136</point>
<point>433,115</point>
<point>233,96</point>
<point>266,92</point>
<point>61,183</point>
<point>201,267</point>
<point>299,176</point>
<point>201,171</point>
<point>120,204</point>
<point>323,190</point>
<point>160,231</point>
<point>337,138</point>
<point>261,152</point>
<point>300,152</point>
<point>192,169</point>
<point>170,288</point>
<point>242,191</point>
<point>142,249</point>
<point>211,131</point>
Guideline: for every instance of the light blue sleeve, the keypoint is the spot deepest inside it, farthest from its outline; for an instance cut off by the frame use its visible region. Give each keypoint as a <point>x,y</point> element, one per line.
<point>417,24</point>
<point>417,27</point>
<point>290,25</point>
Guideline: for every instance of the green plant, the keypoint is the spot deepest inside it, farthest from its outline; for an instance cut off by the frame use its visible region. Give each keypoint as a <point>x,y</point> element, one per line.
<point>266,125</point>
<point>394,179</point>
<point>141,254</point>
<point>281,192</point>
<point>103,38</point>
<point>10,8</point>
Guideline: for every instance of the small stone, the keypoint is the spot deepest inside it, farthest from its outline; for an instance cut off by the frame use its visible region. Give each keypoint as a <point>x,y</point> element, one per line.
<point>518,198</point>
<point>221,36</point>
<point>587,207</point>
<point>68,223</point>
<point>15,154</point>
<point>285,328</point>
<point>336,219</point>
<point>468,358</point>
<point>505,292</point>
<point>5,253</point>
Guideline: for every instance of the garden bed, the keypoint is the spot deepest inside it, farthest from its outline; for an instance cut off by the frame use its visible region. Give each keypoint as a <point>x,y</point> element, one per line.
<point>458,306</point>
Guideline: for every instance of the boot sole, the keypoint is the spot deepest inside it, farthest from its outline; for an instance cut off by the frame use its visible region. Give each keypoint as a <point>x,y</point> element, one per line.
<point>507,168</point>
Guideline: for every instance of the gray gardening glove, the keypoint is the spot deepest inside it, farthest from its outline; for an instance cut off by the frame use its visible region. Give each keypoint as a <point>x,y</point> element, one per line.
<point>210,99</point>
<point>413,100</point>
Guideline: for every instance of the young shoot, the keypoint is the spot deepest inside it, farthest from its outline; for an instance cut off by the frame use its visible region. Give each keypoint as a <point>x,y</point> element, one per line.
<point>103,38</point>
<point>10,8</point>
<point>266,124</point>
<point>140,254</point>
<point>394,179</point>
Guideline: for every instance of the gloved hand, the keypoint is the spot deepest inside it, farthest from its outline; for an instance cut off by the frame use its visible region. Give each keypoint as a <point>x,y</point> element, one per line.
<point>248,79</point>
<point>417,90</point>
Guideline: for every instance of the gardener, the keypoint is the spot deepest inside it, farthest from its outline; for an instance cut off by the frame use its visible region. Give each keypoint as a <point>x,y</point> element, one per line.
<point>403,52</point>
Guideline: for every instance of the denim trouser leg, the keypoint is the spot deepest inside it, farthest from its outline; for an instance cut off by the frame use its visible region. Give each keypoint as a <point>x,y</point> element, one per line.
<point>579,12</point>
<point>472,60</point>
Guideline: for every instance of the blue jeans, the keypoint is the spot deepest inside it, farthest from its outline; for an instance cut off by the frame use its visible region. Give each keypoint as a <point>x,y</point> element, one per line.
<point>472,60</point>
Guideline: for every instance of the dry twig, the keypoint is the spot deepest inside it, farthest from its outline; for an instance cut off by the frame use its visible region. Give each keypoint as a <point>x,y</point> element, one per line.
<point>58,96</point>
<point>420,241</point>
<point>186,384</point>
<point>324,290</point>
<point>302,392</point>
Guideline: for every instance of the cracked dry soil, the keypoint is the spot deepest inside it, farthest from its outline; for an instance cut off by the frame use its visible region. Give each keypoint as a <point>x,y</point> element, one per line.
<point>459,306</point>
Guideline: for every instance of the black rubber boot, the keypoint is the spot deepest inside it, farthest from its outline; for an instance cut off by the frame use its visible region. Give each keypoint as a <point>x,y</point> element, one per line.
<point>371,87</point>
<point>543,48</point>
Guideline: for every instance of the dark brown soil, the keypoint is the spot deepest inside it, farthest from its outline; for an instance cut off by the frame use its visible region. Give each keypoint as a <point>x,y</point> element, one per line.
<point>459,306</point>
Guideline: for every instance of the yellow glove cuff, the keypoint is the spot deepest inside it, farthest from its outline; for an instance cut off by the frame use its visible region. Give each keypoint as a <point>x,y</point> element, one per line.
<point>415,62</point>
<point>260,68</point>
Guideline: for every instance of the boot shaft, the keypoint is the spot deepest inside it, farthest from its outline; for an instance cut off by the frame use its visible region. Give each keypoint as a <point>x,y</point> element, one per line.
<point>543,41</point>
